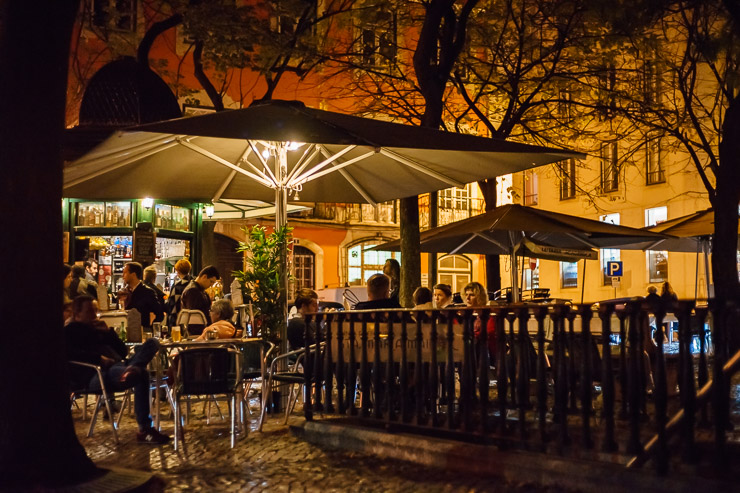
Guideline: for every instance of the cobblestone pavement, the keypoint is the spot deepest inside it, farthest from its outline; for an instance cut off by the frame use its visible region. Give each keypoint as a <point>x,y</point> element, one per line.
<point>273,460</point>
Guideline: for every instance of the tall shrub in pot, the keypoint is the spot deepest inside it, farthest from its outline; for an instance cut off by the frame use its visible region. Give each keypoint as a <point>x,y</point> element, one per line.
<point>261,280</point>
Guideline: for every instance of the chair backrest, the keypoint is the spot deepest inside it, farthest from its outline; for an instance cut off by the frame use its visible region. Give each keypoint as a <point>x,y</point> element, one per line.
<point>187,317</point>
<point>114,318</point>
<point>205,371</point>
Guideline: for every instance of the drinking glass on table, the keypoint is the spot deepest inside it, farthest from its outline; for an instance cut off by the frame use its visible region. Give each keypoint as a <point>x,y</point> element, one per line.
<point>175,333</point>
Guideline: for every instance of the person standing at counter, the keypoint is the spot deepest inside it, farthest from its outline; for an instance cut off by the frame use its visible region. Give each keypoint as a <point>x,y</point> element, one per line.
<point>195,297</point>
<point>143,298</point>
<point>174,304</point>
<point>150,278</point>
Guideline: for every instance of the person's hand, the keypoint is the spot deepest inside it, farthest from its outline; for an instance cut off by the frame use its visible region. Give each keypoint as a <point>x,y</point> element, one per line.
<point>106,362</point>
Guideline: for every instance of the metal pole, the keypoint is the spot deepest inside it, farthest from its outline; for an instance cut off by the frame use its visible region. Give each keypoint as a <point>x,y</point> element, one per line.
<point>281,219</point>
<point>710,285</point>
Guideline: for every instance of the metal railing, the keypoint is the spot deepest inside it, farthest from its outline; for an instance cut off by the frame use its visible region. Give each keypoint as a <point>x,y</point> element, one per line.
<point>549,377</point>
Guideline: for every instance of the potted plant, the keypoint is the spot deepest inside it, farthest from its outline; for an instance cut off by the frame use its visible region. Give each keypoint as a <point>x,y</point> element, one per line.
<point>263,279</point>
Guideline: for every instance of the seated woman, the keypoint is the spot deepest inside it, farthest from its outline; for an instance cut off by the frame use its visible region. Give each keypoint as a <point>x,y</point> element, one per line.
<point>423,298</point>
<point>442,295</point>
<point>222,312</point>
<point>306,301</point>
<point>475,295</point>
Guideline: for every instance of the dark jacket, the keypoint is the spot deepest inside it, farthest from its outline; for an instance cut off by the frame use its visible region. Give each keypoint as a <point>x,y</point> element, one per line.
<point>144,299</point>
<point>384,304</point>
<point>86,343</point>
<point>157,290</point>
<point>174,299</point>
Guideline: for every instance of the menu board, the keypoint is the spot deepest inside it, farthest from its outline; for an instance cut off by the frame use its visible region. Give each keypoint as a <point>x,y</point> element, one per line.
<point>144,246</point>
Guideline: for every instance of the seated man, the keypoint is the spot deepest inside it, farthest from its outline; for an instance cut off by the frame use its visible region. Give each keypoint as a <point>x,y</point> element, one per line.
<point>88,340</point>
<point>221,313</point>
<point>194,297</point>
<point>378,294</point>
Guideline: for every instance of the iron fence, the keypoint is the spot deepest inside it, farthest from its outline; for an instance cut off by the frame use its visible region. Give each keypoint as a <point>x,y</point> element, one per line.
<point>539,376</point>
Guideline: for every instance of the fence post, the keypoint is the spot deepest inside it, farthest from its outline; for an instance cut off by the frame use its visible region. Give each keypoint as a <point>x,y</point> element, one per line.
<point>523,370</point>
<point>307,372</point>
<point>540,315</point>
<point>688,389</point>
<point>607,377</point>
<point>586,374</point>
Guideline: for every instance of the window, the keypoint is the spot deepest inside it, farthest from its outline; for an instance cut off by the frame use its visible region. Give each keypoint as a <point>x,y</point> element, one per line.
<point>378,39</point>
<point>565,107</point>
<point>569,274</point>
<point>363,263</point>
<point>651,82</point>
<point>455,270</point>
<point>609,167</point>
<point>657,261</point>
<point>609,254</point>
<point>530,187</point>
<point>304,269</point>
<point>653,166</point>
<point>287,15</point>
<point>530,274</point>
<point>567,175</point>
<point>454,198</point>
<point>607,87</point>
<point>115,14</point>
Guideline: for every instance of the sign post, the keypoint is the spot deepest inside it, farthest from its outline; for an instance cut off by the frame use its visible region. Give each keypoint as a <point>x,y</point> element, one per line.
<point>614,270</point>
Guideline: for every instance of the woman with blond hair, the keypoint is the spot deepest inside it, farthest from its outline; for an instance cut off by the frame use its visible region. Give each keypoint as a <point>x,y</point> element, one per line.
<point>475,295</point>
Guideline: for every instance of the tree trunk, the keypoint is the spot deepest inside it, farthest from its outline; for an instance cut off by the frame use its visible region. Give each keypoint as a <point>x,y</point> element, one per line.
<point>410,250</point>
<point>493,262</point>
<point>727,195</point>
<point>38,445</point>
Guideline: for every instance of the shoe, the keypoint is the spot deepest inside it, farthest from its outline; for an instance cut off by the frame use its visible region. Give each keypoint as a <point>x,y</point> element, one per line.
<point>152,436</point>
<point>131,375</point>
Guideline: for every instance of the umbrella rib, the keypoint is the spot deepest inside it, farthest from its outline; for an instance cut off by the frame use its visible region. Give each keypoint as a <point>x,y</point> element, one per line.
<point>491,240</point>
<point>345,174</point>
<point>264,163</point>
<point>309,175</point>
<point>303,162</point>
<point>114,153</point>
<point>119,164</point>
<point>230,178</point>
<point>245,159</point>
<point>462,245</point>
<point>422,168</point>
<point>224,162</point>
<point>336,167</point>
<point>582,240</point>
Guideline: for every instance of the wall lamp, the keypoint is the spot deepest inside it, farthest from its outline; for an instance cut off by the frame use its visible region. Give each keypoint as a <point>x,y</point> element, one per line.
<point>147,202</point>
<point>209,210</point>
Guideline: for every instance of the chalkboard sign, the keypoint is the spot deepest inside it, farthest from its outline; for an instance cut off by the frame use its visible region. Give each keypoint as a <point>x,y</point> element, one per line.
<point>144,245</point>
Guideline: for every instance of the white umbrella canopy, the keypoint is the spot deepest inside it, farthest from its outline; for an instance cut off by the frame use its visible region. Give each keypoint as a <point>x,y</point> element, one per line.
<point>514,229</point>
<point>310,155</point>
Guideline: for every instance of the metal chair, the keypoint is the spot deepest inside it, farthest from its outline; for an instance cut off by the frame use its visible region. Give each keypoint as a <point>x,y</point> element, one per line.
<point>103,396</point>
<point>188,317</point>
<point>292,376</point>
<point>255,358</point>
<point>208,371</point>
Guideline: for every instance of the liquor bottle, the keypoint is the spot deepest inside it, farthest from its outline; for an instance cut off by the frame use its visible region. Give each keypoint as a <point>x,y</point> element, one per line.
<point>122,333</point>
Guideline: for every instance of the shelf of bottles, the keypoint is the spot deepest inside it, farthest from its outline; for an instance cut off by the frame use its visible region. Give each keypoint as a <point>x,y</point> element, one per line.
<point>168,248</point>
<point>171,217</point>
<point>103,214</point>
<point>111,252</point>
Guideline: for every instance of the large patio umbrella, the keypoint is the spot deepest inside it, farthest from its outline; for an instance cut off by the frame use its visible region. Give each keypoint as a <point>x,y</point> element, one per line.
<point>282,150</point>
<point>514,229</point>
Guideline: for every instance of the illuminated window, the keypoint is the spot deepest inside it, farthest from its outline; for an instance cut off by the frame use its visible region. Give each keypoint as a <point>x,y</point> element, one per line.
<point>531,275</point>
<point>653,165</point>
<point>454,270</point>
<point>569,274</point>
<point>378,43</point>
<point>363,263</point>
<point>657,260</point>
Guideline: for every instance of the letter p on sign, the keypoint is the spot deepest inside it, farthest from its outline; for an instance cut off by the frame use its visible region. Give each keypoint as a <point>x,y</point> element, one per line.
<point>614,268</point>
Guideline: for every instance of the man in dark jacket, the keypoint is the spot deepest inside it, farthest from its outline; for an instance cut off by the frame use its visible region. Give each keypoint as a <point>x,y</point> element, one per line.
<point>195,296</point>
<point>89,340</point>
<point>143,298</point>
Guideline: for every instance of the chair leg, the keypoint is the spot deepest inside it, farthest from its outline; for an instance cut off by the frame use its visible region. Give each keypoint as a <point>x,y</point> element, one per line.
<point>94,416</point>
<point>178,422</point>
<point>266,399</point>
<point>124,402</point>
<point>292,400</point>
<point>233,419</point>
<point>246,395</point>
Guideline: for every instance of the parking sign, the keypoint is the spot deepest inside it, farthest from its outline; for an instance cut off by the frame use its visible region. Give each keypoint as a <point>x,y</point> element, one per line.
<point>614,268</point>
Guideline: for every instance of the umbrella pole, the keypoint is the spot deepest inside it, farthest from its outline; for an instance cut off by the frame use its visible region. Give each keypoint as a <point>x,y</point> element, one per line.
<point>696,282</point>
<point>583,280</point>
<point>281,219</point>
<point>514,276</point>
<point>705,248</point>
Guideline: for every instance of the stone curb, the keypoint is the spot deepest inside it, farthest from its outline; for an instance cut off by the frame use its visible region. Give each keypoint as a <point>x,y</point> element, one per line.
<point>514,466</point>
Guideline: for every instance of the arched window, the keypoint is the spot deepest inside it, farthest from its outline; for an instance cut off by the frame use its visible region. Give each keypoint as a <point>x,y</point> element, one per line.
<point>455,270</point>
<point>362,263</point>
<point>304,269</point>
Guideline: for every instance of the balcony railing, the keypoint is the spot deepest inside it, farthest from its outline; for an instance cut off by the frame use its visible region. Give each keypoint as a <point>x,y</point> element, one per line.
<point>459,209</point>
<point>385,213</point>
<point>655,177</point>
<point>556,378</point>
